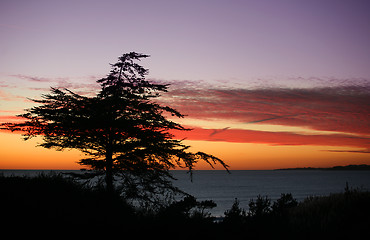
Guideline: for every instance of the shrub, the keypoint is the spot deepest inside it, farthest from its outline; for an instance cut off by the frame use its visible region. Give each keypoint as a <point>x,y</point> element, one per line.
<point>259,208</point>
<point>282,205</point>
<point>235,215</point>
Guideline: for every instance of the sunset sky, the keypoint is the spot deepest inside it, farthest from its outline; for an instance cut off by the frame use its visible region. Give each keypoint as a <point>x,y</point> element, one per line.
<point>264,84</point>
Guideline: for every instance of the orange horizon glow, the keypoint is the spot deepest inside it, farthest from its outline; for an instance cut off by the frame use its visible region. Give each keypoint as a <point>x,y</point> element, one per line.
<point>289,128</point>
<point>19,154</point>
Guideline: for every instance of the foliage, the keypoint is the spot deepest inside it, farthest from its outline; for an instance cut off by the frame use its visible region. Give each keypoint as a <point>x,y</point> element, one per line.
<point>185,209</point>
<point>235,215</point>
<point>54,201</point>
<point>125,135</point>
<point>282,205</point>
<point>259,208</point>
<point>344,215</point>
<point>347,214</point>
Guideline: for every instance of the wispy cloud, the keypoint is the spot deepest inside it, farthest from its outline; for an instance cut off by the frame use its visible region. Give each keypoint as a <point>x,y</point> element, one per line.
<point>343,111</point>
<point>216,131</point>
<point>274,138</point>
<point>338,109</point>
<point>9,118</point>
<point>272,118</point>
<point>337,116</point>
<point>85,85</point>
<point>32,78</point>
<point>6,96</point>
<point>349,151</point>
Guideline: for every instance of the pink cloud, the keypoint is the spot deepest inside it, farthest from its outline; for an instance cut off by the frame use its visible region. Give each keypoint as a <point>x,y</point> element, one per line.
<point>341,109</point>
<point>273,138</point>
<point>81,85</point>
<point>6,96</point>
<point>31,78</point>
<point>10,118</point>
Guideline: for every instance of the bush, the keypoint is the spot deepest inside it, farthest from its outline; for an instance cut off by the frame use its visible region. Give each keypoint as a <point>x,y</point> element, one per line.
<point>188,209</point>
<point>282,205</point>
<point>341,214</point>
<point>55,200</point>
<point>259,208</point>
<point>337,215</point>
<point>235,215</point>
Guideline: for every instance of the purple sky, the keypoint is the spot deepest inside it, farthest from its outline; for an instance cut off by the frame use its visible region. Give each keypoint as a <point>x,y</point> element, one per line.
<point>188,40</point>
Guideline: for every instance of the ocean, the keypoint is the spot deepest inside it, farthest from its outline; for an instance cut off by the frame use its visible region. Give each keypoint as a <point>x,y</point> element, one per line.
<point>245,185</point>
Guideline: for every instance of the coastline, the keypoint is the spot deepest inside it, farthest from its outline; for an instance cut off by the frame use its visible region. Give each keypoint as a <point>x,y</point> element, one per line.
<point>362,167</point>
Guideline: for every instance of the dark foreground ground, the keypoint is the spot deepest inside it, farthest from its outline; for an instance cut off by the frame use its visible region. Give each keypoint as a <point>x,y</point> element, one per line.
<point>56,204</point>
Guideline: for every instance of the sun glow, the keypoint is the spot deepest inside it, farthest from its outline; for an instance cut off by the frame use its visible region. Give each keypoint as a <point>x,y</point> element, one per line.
<point>15,153</point>
<point>249,156</point>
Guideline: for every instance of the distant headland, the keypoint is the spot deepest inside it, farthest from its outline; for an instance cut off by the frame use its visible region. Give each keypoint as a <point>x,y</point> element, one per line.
<point>336,168</point>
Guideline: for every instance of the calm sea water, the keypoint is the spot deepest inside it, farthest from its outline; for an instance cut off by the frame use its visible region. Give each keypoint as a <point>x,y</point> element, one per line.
<point>223,188</point>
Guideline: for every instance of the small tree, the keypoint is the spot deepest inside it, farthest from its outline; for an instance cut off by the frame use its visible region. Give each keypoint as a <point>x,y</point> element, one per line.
<point>282,205</point>
<point>259,208</point>
<point>121,130</point>
<point>235,215</point>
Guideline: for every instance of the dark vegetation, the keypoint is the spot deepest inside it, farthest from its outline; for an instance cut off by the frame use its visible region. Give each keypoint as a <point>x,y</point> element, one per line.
<point>58,202</point>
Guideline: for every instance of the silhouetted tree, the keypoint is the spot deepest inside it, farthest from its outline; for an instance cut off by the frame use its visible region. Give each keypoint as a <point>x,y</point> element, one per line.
<point>259,208</point>
<point>123,132</point>
<point>185,209</point>
<point>282,205</point>
<point>235,215</point>
<point>202,208</point>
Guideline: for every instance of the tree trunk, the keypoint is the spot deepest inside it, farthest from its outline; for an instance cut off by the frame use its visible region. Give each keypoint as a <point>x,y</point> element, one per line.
<point>109,170</point>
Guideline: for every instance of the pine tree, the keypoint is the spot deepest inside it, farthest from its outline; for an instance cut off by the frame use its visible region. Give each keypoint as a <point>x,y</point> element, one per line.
<point>125,135</point>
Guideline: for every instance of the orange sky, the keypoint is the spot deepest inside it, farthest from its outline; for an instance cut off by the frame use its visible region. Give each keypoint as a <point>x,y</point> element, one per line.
<point>15,153</point>
<point>263,128</point>
<point>247,128</point>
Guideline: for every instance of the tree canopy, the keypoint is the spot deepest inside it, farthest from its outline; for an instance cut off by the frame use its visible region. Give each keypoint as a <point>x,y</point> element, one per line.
<point>125,135</point>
